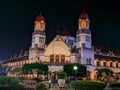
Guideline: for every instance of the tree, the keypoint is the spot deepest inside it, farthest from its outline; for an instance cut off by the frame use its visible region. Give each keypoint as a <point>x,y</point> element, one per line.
<point>35,68</point>
<point>41,86</point>
<point>10,83</point>
<point>117,75</point>
<point>104,74</point>
<point>61,75</point>
<point>68,68</point>
<point>18,71</point>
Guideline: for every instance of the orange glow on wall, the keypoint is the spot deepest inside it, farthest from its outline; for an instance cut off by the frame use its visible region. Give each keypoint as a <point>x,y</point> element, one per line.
<point>83,24</point>
<point>37,24</point>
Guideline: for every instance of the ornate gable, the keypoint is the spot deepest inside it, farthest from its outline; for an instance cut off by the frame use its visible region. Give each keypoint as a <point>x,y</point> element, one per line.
<point>57,46</point>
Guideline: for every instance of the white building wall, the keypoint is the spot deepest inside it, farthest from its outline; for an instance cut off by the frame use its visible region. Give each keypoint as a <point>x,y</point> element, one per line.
<point>83,40</point>
<point>36,40</point>
<point>87,54</point>
<point>73,58</point>
<point>55,68</point>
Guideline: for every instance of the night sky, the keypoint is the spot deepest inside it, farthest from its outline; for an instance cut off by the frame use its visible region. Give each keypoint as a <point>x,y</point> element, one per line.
<point>17,21</point>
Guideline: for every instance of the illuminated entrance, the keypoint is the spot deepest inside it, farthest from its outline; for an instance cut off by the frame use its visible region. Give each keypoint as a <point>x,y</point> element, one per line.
<point>53,70</point>
<point>53,74</point>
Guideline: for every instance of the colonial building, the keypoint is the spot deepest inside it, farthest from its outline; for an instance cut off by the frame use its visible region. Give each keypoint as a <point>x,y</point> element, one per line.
<point>65,48</point>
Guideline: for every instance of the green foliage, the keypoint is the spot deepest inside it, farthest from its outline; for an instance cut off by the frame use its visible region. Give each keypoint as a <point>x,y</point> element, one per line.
<point>68,68</point>
<point>61,75</point>
<point>41,86</point>
<point>11,88</point>
<point>32,68</point>
<point>105,73</point>
<point>68,81</point>
<point>10,82</point>
<point>114,84</point>
<point>64,89</point>
<point>87,85</point>
<point>17,71</point>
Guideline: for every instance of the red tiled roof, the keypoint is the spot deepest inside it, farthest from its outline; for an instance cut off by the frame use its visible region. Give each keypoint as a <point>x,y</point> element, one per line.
<point>84,15</point>
<point>40,17</point>
<point>65,33</point>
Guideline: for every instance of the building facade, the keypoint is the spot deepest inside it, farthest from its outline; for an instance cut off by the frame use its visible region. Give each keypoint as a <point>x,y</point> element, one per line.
<point>65,48</point>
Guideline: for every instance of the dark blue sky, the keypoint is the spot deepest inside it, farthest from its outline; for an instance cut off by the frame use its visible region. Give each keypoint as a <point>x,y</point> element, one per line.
<point>17,21</point>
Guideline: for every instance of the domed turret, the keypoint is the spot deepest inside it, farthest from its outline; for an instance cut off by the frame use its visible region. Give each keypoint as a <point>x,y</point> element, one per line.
<point>39,36</point>
<point>40,22</point>
<point>83,22</point>
<point>40,17</point>
<point>84,15</point>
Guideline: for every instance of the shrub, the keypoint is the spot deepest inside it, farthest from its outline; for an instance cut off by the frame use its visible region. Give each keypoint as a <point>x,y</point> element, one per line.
<point>41,86</point>
<point>87,85</point>
<point>114,84</point>
<point>11,88</point>
<point>68,81</point>
<point>10,82</point>
<point>61,75</point>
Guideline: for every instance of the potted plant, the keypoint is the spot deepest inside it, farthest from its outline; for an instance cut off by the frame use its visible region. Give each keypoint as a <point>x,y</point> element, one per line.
<point>61,78</point>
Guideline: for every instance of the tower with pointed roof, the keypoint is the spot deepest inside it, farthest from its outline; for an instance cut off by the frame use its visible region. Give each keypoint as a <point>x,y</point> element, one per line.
<point>64,49</point>
<point>83,39</point>
<point>38,38</point>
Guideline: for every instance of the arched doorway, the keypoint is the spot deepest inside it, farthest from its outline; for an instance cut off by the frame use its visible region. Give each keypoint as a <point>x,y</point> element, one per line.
<point>52,74</point>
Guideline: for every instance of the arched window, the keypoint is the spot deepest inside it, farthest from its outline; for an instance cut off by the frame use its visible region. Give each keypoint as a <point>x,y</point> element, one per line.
<point>98,63</point>
<point>57,58</point>
<point>37,24</point>
<point>88,61</point>
<point>110,64</point>
<point>104,64</point>
<point>51,58</point>
<point>62,58</point>
<point>83,24</point>
<point>116,65</point>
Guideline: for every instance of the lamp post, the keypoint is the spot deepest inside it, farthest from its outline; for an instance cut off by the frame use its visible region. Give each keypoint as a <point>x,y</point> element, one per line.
<point>49,84</point>
<point>75,69</point>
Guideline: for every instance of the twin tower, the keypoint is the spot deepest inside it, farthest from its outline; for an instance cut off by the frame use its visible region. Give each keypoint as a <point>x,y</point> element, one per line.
<point>83,37</point>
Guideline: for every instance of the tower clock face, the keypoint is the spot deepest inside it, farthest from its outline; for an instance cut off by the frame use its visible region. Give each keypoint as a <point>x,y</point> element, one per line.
<point>83,24</point>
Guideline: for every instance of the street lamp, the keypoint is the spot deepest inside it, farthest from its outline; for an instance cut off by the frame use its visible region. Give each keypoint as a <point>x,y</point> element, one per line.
<point>49,83</point>
<point>75,69</point>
